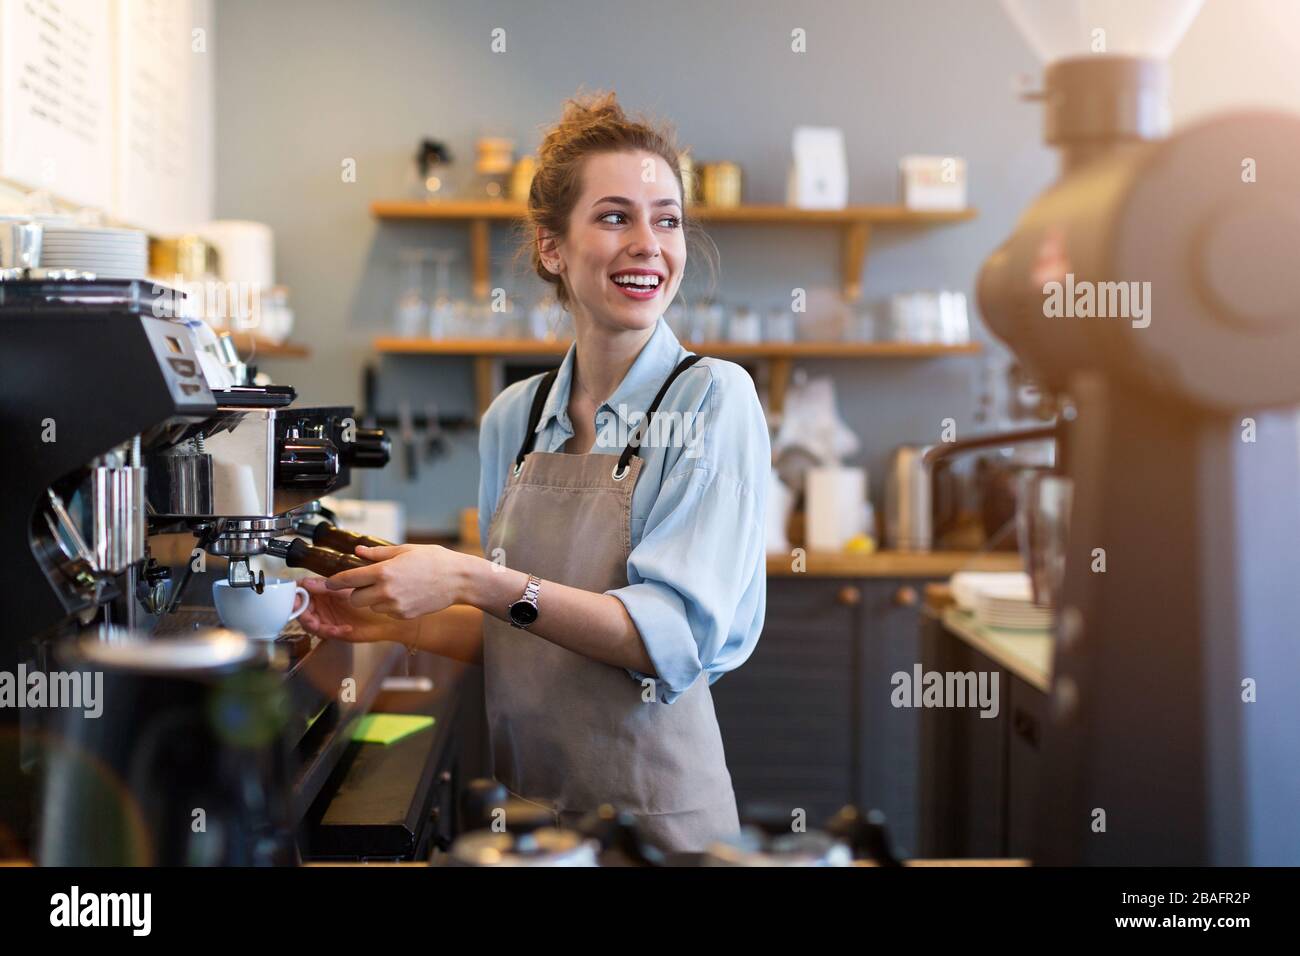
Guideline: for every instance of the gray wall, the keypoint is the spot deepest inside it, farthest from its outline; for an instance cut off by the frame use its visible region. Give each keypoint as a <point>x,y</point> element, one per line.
<point>303,85</point>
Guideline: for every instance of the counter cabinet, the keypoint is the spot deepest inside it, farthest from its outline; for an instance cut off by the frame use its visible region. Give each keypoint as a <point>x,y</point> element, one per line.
<point>979,775</point>
<point>807,721</point>
<point>809,724</point>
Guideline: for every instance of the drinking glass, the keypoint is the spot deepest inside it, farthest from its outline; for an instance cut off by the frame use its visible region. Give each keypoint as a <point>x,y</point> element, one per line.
<point>441,312</point>
<point>411,315</point>
<point>780,325</point>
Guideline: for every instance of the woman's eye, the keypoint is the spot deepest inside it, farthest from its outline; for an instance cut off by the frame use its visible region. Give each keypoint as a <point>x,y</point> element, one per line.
<point>619,218</point>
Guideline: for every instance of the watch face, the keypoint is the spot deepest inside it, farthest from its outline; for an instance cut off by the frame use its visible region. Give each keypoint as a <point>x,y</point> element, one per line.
<point>523,613</point>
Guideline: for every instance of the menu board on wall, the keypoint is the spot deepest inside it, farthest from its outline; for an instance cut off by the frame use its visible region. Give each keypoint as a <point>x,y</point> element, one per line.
<point>108,103</point>
<point>163,77</point>
<point>55,97</point>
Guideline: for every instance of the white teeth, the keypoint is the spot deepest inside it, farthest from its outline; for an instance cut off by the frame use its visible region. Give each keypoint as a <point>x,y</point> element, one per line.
<point>651,282</point>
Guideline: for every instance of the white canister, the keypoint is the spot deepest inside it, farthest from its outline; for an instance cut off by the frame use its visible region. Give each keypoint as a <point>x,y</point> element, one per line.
<point>246,259</point>
<point>834,507</point>
<point>780,501</point>
<point>246,250</point>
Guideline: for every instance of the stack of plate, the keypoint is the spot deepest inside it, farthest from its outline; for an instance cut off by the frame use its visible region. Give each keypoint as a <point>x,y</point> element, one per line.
<point>109,253</point>
<point>1003,601</point>
<point>1013,611</point>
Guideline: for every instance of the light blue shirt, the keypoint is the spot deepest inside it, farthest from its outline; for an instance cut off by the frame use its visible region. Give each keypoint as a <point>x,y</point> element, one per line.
<point>697,571</point>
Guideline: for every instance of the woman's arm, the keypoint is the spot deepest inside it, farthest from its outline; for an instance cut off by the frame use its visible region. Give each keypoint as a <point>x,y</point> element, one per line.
<point>456,632</point>
<point>593,625</point>
<point>412,581</point>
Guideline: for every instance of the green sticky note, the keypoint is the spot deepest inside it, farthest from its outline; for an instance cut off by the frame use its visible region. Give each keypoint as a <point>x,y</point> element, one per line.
<point>388,728</point>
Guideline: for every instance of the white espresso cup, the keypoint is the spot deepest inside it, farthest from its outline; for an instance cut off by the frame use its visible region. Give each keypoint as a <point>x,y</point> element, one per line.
<point>260,616</point>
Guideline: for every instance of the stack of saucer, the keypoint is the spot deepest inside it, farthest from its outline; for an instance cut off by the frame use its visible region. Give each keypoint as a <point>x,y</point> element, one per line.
<point>1003,600</point>
<point>1012,613</point>
<point>109,253</point>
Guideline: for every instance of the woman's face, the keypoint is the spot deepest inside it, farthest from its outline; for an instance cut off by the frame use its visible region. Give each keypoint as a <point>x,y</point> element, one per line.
<point>625,251</point>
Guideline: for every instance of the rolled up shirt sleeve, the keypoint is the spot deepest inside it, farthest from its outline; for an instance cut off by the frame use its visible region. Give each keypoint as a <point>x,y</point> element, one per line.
<point>697,579</point>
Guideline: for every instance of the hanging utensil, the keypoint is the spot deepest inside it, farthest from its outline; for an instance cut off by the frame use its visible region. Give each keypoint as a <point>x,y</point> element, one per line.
<point>406,433</point>
<point>435,445</point>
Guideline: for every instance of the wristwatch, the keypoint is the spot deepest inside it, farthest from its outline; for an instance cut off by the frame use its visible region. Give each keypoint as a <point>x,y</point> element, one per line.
<point>524,611</point>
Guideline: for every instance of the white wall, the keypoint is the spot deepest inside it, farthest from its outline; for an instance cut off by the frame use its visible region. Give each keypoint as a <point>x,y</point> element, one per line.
<point>1238,53</point>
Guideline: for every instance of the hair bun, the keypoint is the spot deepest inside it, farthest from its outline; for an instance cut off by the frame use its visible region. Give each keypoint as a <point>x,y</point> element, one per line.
<point>583,121</point>
<point>594,106</point>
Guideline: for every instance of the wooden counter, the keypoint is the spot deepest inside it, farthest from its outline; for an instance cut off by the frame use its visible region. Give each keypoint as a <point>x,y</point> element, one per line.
<point>891,564</point>
<point>1026,654</point>
<point>838,564</point>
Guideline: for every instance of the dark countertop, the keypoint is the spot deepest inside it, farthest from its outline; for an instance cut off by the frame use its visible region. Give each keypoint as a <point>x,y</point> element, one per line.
<point>379,800</point>
<point>322,748</point>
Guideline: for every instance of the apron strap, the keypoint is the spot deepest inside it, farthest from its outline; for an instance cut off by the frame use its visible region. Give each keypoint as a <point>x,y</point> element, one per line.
<point>535,416</point>
<point>634,445</point>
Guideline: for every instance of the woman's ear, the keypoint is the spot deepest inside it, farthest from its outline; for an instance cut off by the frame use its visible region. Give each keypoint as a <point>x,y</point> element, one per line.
<point>548,252</point>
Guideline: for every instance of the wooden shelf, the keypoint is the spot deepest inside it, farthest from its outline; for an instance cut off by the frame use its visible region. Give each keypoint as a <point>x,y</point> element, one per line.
<point>834,564</point>
<point>869,215</point>
<point>764,350</point>
<point>778,356</point>
<point>853,222</point>
<point>893,564</point>
<point>449,209</point>
<point>460,210</point>
<point>252,346</point>
<point>394,345</point>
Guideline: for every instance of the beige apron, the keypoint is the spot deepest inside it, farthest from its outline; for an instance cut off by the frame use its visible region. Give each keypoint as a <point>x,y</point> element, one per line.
<point>568,730</point>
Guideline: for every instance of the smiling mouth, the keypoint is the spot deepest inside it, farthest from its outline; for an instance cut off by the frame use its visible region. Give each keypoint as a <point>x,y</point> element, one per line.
<point>637,285</point>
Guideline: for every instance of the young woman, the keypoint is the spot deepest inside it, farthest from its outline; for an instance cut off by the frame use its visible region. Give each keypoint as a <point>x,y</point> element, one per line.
<point>625,567</point>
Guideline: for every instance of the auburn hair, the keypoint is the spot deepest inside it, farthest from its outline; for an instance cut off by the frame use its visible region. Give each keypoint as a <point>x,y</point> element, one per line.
<point>590,125</point>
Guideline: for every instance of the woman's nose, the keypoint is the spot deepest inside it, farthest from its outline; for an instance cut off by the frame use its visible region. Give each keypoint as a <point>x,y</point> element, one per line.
<point>643,242</point>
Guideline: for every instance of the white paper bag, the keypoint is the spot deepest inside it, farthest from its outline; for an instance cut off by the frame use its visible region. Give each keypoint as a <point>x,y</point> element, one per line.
<point>819,178</point>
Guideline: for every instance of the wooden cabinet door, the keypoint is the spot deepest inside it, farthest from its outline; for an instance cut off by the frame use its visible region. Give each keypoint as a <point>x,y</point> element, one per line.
<point>964,764</point>
<point>1028,718</point>
<point>890,737</point>
<point>788,713</point>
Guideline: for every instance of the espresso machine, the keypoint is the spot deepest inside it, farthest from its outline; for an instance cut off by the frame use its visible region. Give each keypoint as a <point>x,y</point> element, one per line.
<point>128,428</point>
<point>1174,733</point>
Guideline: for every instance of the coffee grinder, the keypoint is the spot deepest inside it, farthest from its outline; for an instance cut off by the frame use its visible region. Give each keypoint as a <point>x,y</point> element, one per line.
<point>1174,735</point>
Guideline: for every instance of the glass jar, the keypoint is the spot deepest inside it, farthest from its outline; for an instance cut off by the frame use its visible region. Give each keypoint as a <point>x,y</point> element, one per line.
<point>493,167</point>
<point>780,325</point>
<point>864,326</point>
<point>745,326</point>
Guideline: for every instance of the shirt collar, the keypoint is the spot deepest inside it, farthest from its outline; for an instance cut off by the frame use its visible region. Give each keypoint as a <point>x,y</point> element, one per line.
<point>653,364</point>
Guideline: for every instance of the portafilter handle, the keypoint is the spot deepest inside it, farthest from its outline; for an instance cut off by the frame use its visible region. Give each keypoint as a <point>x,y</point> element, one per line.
<point>326,535</point>
<point>326,562</point>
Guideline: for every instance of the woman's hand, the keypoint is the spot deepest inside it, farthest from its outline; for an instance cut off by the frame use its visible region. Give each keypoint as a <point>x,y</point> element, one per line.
<point>331,615</point>
<point>405,582</point>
